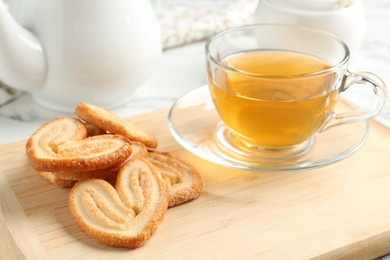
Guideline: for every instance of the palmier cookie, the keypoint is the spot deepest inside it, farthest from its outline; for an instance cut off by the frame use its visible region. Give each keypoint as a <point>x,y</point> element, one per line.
<point>111,122</point>
<point>183,178</point>
<point>138,151</point>
<point>126,216</point>
<point>94,130</point>
<point>60,145</point>
<point>64,183</point>
<point>44,142</point>
<point>104,174</point>
<point>50,177</point>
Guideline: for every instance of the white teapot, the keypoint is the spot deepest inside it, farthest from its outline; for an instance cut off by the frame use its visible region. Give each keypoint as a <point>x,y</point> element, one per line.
<point>69,51</point>
<point>346,19</point>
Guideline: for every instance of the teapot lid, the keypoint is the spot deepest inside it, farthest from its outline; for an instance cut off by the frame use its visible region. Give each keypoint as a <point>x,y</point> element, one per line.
<point>318,5</point>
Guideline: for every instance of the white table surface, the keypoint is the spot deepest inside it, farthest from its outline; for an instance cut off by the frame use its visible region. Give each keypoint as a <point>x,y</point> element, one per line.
<point>182,69</point>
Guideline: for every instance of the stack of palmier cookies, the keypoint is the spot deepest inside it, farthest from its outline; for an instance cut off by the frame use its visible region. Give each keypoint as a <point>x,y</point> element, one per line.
<point>121,185</point>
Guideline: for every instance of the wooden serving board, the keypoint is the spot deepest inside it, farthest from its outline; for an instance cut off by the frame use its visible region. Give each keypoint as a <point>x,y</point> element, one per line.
<point>339,211</point>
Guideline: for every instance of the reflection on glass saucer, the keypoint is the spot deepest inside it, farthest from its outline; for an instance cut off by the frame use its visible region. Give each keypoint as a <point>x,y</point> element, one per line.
<point>195,125</point>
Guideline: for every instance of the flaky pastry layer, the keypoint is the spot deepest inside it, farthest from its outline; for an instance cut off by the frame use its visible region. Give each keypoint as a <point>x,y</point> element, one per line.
<point>138,151</point>
<point>124,216</point>
<point>183,178</point>
<point>62,145</point>
<point>107,120</point>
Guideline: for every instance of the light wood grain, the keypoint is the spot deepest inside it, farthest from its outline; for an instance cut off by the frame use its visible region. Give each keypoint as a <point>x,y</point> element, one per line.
<point>9,248</point>
<point>18,240</point>
<point>339,211</point>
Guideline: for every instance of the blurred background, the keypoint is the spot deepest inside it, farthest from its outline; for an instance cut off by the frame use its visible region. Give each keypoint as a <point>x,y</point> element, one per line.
<point>185,25</point>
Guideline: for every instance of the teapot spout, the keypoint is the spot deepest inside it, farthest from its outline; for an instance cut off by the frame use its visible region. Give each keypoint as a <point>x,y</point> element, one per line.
<point>22,61</point>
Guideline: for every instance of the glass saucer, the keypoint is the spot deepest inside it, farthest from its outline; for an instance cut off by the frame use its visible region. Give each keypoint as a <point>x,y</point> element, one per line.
<point>195,124</point>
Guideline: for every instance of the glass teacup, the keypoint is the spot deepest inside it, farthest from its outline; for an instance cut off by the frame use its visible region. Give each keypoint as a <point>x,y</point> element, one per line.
<point>276,86</point>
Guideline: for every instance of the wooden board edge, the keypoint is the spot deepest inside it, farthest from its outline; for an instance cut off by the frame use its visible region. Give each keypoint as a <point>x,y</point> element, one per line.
<point>371,248</point>
<point>18,238</point>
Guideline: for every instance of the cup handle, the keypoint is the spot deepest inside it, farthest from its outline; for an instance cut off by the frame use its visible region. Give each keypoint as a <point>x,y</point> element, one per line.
<point>367,79</point>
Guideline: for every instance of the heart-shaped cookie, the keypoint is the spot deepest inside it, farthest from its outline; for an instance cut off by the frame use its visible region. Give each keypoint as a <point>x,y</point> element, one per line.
<point>51,178</point>
<point>109,121</point>
<point>138,150</point>
<point>183,178</point>
<point>124,216</point>
<point>61,145</point>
